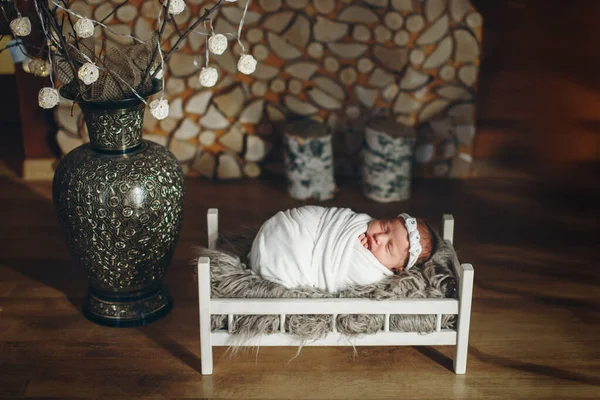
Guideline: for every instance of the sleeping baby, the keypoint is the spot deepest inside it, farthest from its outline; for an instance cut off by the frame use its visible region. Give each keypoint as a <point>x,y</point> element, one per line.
<point>335,248</point>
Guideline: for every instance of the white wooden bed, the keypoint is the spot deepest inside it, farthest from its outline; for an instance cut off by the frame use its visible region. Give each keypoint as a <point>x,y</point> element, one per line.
<point>231,306</point>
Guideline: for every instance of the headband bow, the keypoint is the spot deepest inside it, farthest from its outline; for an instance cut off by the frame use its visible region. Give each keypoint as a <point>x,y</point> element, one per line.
<point>414,240</point>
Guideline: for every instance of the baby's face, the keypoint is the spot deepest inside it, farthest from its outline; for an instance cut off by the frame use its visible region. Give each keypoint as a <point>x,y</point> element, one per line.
<point>388,241</point>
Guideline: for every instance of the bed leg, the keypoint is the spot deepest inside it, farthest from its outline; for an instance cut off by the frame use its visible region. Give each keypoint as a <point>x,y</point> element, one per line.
<point>464,318</point>
<point>205,325</point>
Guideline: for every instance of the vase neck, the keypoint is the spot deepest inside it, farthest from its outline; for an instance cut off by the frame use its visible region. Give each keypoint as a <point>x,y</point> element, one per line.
<point>113,127</point>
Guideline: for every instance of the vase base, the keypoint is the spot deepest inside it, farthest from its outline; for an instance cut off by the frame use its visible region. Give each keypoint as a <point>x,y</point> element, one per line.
<point>124,313</point>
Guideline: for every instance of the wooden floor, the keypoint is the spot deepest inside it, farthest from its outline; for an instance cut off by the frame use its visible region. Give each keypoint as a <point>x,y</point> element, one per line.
<point>532,237</point>
<point>536,310</point>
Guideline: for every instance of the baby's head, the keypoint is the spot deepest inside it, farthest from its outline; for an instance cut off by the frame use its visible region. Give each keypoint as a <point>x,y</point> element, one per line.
<point>389,241</point>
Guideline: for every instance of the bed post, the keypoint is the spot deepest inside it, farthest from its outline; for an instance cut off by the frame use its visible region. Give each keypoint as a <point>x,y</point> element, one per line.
<point>448,227</point>
<point>466,274</point>
<point>212,220</point>
<point>204,307</point>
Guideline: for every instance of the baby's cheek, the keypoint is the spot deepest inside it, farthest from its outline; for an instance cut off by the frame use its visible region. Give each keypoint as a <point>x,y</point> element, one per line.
<point>378,256</point>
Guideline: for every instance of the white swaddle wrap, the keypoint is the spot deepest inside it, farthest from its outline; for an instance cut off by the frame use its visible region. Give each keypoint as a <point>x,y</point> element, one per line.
<point>315,246</point>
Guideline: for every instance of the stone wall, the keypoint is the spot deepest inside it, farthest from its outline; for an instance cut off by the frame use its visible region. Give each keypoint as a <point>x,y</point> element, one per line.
<point>339,62</point>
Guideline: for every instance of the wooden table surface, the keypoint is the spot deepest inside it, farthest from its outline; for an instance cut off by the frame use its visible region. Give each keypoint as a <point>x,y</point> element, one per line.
<point>535,324</point>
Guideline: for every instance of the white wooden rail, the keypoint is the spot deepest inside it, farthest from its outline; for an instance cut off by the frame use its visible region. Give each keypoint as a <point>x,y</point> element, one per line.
<point>448,227</point>
<point>324,306</point>
<point>212,220</point>
<point>282,307</point>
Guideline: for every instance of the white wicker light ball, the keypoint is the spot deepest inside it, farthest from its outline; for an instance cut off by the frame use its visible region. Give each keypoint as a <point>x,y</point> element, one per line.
<point>88,73</point>
<point>176,7</point>
<point>39,67</point>
<point>208,76</point>
<point>84,28</point>
<point>159,108</point>
<point>217,44</point>
<point>48,97</point>
<point>20,26</point>
<point>246,64</point>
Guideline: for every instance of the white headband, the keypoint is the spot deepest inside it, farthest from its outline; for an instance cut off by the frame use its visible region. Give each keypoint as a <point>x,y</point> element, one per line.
<point>414,240</point>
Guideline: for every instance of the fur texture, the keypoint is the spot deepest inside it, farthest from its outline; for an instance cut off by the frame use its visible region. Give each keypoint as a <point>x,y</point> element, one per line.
<point>232,278</point>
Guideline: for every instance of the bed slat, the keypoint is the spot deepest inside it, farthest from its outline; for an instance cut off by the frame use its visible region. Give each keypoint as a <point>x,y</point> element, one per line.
<point>230,323</point>
<point>386,323</point>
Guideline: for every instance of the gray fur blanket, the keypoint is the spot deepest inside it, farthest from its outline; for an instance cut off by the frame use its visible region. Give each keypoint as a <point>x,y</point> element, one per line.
<point>232,278</point>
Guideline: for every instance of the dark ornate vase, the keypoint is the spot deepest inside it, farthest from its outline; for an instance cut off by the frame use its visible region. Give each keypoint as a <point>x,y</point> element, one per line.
<point>119,200</point>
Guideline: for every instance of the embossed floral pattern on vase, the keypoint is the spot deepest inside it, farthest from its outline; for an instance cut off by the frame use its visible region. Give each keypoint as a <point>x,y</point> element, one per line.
<point>118,226</point>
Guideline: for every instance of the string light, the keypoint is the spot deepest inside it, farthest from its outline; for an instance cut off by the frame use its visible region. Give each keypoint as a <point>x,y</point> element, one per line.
<point>98,23</point>
<point>84,28</point>
<point>88,73</point>
<point>159,108</point>
<point>208,76</point>
<point>48,97</point>
<point>217,44</point>
<point>176,7</point>
<point>20,26</point>
<point>39,67</point>
<point>246,64</point>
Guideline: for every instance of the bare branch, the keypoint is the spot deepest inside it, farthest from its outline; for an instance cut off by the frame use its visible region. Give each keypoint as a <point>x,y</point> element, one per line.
<point>204,17</point>
<point>158,41</point>
<point>50,16</point>
<point>70,22</point>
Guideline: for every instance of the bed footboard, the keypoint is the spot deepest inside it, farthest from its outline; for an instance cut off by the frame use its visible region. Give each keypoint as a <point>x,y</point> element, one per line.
<point>458,337</point>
